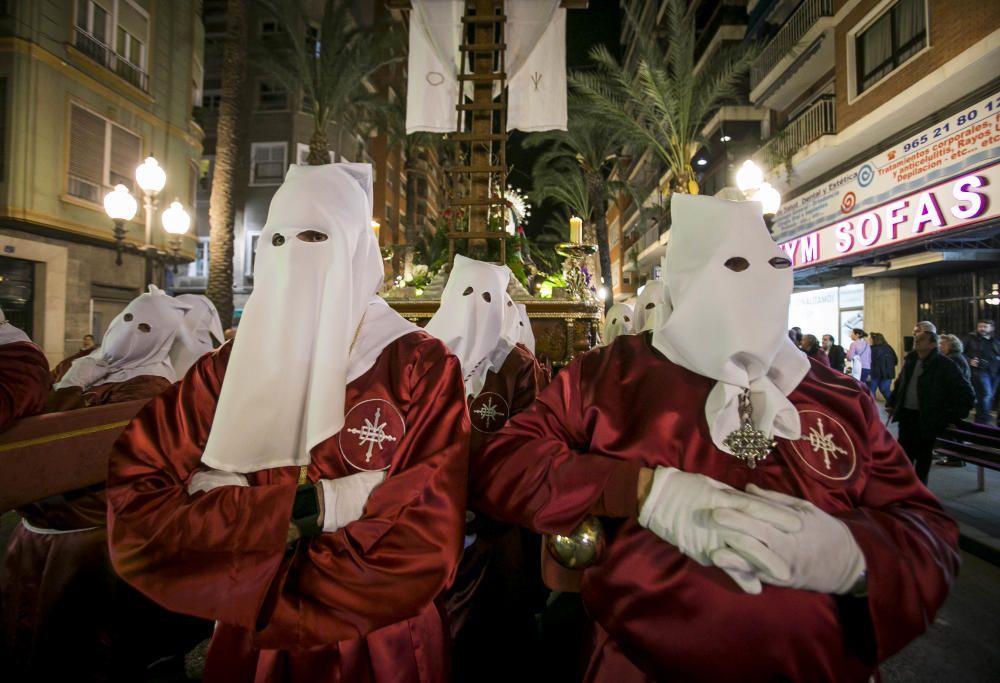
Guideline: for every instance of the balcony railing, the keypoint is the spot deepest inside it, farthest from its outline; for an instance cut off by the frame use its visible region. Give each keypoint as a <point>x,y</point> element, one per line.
<point>818,120</point>
<point>796,26</point>
<point>106,57</point>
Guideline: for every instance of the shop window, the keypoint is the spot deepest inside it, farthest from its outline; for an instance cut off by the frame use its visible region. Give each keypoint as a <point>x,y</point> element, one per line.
<point>896,35</point>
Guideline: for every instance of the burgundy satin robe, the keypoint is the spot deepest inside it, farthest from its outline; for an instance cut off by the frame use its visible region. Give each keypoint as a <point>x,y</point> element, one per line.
<point>23,385</point>
<point>64,615</point>
<point>357,604</point>
<point>491,604</point>
<point>661,616</point>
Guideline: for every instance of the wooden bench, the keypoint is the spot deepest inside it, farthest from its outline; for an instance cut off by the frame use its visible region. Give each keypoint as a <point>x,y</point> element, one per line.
<point>974,443</point>
<point>49,454</point>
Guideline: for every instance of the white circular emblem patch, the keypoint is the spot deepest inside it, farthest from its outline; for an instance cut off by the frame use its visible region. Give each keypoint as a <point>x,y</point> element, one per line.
<point>488,412</point>
<point>372,431</point>
<point>825,447</point>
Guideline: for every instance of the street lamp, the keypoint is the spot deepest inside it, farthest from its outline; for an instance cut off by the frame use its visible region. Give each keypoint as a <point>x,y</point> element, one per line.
<point>769,198</point>
<point>151,179</point>
<point>121,207</point>
<point>749,177</point>
<point>176,222</point>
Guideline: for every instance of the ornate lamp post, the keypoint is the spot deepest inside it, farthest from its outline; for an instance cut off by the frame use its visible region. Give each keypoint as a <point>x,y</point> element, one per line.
<point>151,179</point>
<point>176,222</point>
<point>121,207</point>
<point>750,181</point>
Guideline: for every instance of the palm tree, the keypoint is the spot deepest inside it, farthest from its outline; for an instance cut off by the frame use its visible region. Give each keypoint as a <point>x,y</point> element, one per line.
<point>665,103</point>
<point>333,71</point>
<point>574,170</point>
<point>229,152</point>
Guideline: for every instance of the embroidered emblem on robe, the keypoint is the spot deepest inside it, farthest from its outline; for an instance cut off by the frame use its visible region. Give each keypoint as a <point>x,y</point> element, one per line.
<point>372,432</point>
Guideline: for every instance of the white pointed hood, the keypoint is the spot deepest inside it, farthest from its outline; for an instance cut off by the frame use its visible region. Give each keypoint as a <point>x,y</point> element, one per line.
<point>10,334</point>
<point>648,307</point>
<point>526,335</point>
<point>470,320</point>
<point>200,333</point>
<point>727,287</point>
<point>137,343</point>
<point>617,321</point>
<point>293,354</point>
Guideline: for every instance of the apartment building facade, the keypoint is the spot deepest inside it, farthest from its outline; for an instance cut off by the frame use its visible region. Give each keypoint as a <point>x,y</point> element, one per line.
<point>88,89</point>
<point>280,126</point>
<point>638,239</point>
<point>884,139</point>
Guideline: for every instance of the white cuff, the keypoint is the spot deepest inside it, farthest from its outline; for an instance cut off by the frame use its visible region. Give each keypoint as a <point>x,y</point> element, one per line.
<point>206,480</point>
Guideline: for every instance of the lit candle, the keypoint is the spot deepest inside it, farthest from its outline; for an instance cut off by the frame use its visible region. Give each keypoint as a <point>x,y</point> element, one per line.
<point>576,229</point>
<point>375,227</point>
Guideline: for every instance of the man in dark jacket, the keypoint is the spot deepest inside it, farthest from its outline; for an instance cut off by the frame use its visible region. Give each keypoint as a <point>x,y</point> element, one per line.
<point>983,351</point>
<point>929,395</point>
<point>835,352</point>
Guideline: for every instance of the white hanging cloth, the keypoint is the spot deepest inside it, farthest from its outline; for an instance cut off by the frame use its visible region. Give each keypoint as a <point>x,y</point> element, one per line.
<point>727,288</point>
<point>536,65</point>
<point>305,333</point>
<point>432,68</point>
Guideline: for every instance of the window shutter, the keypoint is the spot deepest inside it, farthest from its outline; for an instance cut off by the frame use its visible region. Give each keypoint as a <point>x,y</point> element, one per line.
<point>86,146</point>
<point>133,22</point>
<point>126,153</point>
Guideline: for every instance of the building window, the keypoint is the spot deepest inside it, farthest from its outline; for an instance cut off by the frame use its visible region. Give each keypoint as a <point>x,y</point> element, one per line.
<point>121,47</point>
<point>212,93</point>
<point>268,27</point>
<point>205,174</point>
<point>3,128</point>
<point>312,41</point>
<point>271,96</point>
<point>251,256</point>
<point>101,154</point>
<point>269,160</point>
<point>199,267</point>
<point>894,37</point>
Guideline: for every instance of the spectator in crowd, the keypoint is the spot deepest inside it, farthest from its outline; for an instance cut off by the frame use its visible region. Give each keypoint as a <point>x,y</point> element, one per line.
<point>930,394</point>
<point>952,346</point>
<point>884,362</point>
<point>88,347</point>
<point>861,369</point>
<point>810,346</point>
<point>835,352</point>
<point>983,351</point>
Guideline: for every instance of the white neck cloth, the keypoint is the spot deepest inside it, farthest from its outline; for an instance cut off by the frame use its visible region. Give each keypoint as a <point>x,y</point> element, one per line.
<point>648,307</point>
<point>471,321</point>
<point>136,344</point>
<point>293,351</point>
<point>617,321</point>
<point>10,334</point>
<point>195,338</point>
<point>728,322</point>
<point>526,335</point>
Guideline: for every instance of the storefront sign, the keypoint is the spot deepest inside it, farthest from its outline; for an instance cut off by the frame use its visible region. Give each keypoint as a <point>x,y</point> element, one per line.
<point>941,208</point>
<point>968,140</point>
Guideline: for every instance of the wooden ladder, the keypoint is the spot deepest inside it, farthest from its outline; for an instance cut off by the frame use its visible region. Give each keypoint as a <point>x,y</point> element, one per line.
<point>478,175</point>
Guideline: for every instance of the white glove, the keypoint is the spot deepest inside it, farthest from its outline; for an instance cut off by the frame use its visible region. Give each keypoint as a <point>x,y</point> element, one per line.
<point>206,480</point>
<point>84,372</point>
<point>344,498</point>
<point>678,509</point>
<point>820,555</point>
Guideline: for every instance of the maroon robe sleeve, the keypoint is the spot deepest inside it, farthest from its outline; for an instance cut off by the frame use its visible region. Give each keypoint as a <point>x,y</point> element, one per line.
<point>23,384</point>
<point>537,472</point>
<point>909,544</point>
<point>404,551</point>
<point>211,555</point>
